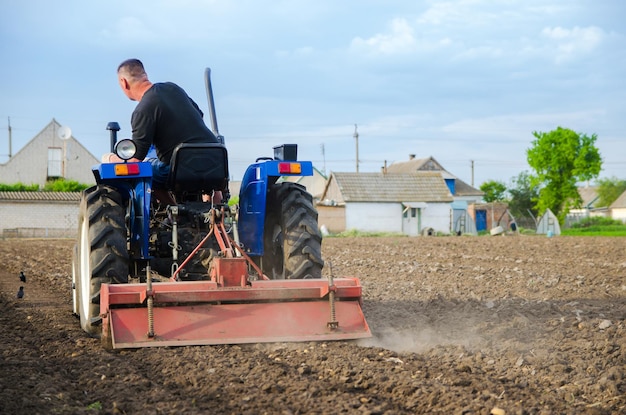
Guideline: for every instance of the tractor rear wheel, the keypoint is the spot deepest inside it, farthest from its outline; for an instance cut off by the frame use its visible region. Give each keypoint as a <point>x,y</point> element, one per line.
<point>292,240</point>
<point>101,254</point>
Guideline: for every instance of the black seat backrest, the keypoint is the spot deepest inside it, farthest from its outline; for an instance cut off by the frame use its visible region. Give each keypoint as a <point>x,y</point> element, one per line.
<point>198,167</point>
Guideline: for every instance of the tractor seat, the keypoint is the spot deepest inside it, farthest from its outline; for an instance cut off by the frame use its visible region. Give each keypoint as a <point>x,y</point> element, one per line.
<point>198,168</point>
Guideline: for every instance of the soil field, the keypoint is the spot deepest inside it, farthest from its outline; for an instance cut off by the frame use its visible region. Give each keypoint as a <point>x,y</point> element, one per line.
<point>462,325</point>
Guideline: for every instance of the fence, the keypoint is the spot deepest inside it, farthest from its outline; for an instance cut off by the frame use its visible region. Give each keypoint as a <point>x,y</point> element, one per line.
<point>527,222</point>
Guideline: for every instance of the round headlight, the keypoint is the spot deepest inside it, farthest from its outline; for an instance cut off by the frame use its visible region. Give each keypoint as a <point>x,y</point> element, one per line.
<point>125,149</point>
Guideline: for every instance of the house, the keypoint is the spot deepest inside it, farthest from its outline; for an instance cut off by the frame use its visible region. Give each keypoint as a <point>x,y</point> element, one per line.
<point>461,191</point>
<point>409,203</point>
<point>39,214</point>
<point>463,194</point>
<point>618,208</point>
<point>488,216</point>
<point>53,153</point>
<point>589,196</point>
<point>589,206</point>
<point>49,155</point>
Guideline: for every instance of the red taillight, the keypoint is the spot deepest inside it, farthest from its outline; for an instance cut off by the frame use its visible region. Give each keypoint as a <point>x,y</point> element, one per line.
<point>289,168</point>
<point>126,169</point>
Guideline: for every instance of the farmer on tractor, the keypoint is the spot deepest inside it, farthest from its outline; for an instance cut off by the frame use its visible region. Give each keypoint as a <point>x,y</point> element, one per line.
<point>194,273</point>
<point>165,117</point>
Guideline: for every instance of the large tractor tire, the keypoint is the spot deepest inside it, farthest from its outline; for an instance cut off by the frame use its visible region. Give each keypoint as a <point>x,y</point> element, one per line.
<point>292,240</point>
<point>101,253</point>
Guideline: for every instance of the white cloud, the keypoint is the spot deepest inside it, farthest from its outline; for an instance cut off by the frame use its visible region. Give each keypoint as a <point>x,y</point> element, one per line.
<point>470,13</point>
<point>570,43</point>
<point>522,125</point>
<point>399,41</point>
<point>442,12</point>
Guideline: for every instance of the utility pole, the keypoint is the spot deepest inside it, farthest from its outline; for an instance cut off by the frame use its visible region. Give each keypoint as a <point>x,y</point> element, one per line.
<point>10,145</point>
<point>472,162</point>
<point>323,157</point>
<point>356,139</point>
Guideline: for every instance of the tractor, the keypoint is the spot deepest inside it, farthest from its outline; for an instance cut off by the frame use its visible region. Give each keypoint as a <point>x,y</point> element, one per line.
<point>205,271</point>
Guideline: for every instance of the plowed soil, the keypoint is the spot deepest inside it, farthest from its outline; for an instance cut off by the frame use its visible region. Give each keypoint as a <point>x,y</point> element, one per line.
<point>462,325</point>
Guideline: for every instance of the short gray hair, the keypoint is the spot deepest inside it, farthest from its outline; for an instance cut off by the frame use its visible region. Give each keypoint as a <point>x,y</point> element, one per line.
<point>132,69</point>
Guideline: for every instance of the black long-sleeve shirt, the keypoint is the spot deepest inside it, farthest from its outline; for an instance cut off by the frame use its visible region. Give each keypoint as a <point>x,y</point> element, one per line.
<point>166,116</point>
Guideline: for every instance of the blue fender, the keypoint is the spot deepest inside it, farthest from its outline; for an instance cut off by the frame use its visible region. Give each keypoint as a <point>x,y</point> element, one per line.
<point>253,200</point>
<point>136,188</point>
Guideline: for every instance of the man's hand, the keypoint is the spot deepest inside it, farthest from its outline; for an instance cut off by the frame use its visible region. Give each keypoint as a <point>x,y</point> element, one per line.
<point>113,158</point>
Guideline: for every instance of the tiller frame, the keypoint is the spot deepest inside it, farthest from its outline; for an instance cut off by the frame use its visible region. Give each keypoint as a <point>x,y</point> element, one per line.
<point>232,307</point>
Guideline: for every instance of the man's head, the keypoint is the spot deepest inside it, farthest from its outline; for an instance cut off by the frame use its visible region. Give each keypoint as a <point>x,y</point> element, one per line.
<point>133,79</point>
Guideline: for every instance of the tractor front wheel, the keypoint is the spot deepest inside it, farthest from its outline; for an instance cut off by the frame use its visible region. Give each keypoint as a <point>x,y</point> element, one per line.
<point>101,253</point>
<point>292,240</point>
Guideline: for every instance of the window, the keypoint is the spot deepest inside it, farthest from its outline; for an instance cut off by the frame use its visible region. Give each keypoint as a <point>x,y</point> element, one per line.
<point>55,162</point>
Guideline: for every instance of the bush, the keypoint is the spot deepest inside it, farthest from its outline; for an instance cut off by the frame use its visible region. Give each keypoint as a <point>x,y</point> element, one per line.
<point>596,221</point>
<point>59,185</point>
<point>62,185</point>
<point>19,187</point>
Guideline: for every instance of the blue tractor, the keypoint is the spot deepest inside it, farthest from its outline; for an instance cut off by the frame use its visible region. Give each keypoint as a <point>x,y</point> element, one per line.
<point>204,271</point>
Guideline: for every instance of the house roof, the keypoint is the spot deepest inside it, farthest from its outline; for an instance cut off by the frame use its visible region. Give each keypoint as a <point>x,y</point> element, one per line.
<point>589,195</point>
<point>420,186</point>
<point>40,196</point>
<point>620,202</point>
<point>430,164</point>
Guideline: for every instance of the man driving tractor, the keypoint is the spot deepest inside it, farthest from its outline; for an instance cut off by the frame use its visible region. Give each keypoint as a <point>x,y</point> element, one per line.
<point>165,117</point>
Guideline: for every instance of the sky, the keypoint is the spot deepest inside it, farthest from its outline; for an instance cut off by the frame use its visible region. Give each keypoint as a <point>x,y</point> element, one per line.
<point>464,81</point>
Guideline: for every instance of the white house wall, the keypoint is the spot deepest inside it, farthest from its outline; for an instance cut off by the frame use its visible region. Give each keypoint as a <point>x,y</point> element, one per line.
<point>387,217</point>
<point>437,216</point>
<point>30,164</point>
<point>374,217</point>
<point>619,214</point>
<point>44,215</point>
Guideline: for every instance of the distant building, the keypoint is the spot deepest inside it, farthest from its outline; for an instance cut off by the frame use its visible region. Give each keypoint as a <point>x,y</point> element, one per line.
<point>408,203</point>
<point>46,157</point>
<point>461,191</point>
<point>618,208</point>
<point>490,215</point>
<point>463,194</point>
<point>39,214</point>
<point>589,206</point>
<point>49,155</point>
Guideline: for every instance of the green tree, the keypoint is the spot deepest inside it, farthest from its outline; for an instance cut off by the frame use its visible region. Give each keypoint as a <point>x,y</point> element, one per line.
<point>609,190</point>
<point>494,191</point>
<point>560,159</point>
<point>523,194</point>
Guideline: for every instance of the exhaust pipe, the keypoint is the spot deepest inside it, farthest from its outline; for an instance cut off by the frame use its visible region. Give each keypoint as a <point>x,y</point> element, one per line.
<point>212,114</point>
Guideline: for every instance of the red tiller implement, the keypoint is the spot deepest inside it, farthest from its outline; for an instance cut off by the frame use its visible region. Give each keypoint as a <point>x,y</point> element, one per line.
<point>205,313</point>
<point>230,308</point>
